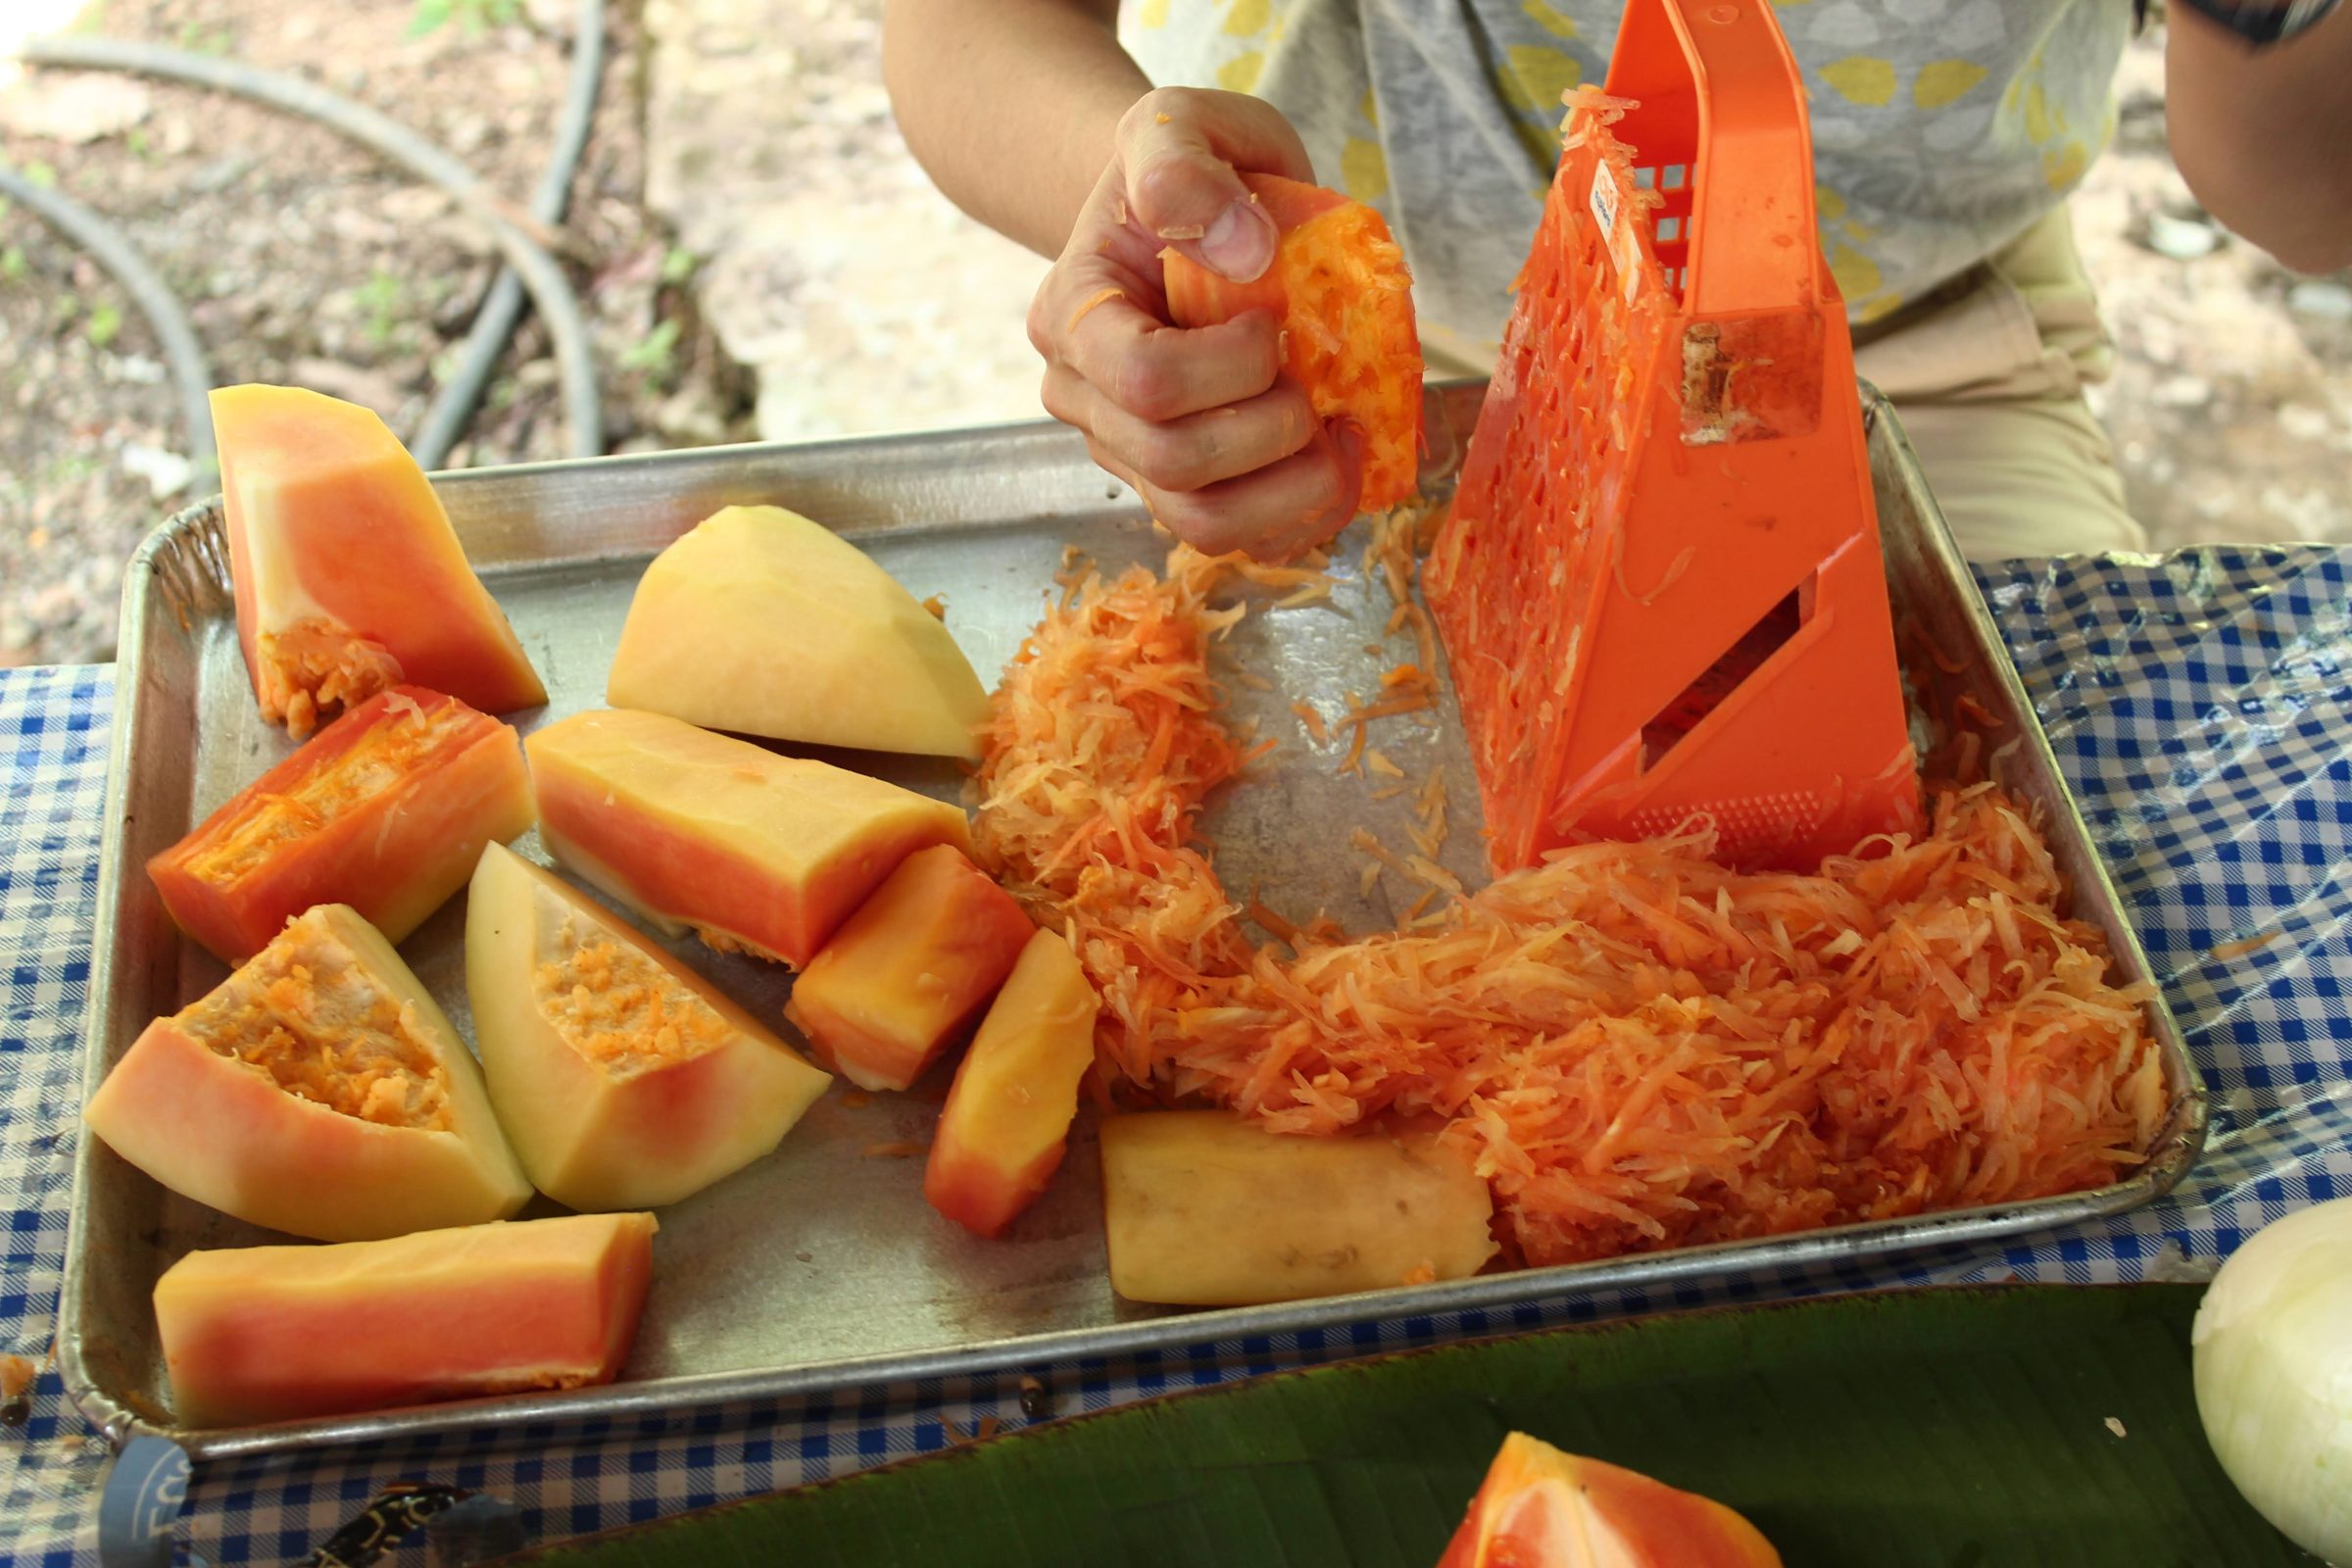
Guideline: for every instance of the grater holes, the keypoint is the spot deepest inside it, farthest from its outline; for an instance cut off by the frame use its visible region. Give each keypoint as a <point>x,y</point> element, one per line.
<point>1772,817</point>
<point>1675,177</point>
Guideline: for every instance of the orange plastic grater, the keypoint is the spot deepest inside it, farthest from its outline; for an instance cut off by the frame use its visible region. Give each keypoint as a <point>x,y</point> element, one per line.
<point>1660,586</point>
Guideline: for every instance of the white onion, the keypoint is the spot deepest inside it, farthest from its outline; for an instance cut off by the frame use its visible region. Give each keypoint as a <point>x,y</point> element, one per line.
<point>2274,1374</point>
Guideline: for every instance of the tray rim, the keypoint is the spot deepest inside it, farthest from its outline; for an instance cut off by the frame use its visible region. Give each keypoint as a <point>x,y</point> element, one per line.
<point>2178,1144</point>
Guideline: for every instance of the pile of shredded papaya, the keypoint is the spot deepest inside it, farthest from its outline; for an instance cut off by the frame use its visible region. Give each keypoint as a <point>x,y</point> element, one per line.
<point>1640,1048</point>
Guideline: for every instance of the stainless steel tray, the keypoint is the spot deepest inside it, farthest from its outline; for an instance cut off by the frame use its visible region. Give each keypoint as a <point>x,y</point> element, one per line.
<point>822,1267</point>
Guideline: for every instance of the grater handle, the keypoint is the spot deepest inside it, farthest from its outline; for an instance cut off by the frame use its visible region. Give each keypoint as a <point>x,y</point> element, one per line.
<point>1752,240</point>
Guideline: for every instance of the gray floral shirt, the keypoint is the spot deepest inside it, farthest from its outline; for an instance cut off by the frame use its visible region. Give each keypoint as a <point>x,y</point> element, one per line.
<point>1942,128</point>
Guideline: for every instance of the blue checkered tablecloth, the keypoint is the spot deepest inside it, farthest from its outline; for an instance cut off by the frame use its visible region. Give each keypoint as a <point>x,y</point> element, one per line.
<point>2201,705</point>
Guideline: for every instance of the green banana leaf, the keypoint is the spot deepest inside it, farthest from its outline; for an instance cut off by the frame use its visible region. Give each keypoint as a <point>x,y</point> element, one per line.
<point>1950,1428</point>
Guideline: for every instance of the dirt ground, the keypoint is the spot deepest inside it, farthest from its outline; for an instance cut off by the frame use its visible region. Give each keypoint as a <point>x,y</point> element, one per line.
<point>302,258</point>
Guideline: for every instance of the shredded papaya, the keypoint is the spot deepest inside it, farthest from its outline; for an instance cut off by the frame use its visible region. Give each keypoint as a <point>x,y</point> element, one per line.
<point>1640,1048</point>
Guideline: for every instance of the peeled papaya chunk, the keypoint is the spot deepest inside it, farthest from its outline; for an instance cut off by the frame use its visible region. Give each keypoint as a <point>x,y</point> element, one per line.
<point>913,965</point>
<point>1543,1508</point>
<point>1340,284</point>
<point>624,1079</point>
<point>278,1332</point>
<point>757,852</point>
<point>385,809</point>
<point>349,577</point>
<point>762,622</point>
<point>1008,1118</point>
<point>1202,1208</point>
<point>319,1091</point>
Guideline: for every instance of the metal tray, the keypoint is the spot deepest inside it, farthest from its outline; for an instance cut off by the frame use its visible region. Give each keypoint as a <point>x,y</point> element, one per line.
<point>822,1266</point>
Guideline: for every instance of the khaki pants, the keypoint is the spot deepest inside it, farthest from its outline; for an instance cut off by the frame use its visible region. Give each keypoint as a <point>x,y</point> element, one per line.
<point>1987,380</point>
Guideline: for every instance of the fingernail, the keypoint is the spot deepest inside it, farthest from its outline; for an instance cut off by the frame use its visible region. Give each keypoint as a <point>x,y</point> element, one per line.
<point>1240,243</point>
<point>1349,437</point>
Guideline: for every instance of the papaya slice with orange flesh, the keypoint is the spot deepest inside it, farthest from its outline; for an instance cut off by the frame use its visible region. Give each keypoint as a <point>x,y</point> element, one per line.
<point>761,622</point>
<point>904,976</point>
<point>1339,282</point>
<point>263,1334</point>
<point>754,851</point>
<point>349,577</point>
<point>624,1079</point>
<point>386,810</point>
<point>320,1090</point>
<point>1008,1118</point>
<point>1541,1508</point>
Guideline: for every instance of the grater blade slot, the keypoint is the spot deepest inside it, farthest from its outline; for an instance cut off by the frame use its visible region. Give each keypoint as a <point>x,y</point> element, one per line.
<point>1716,683</point>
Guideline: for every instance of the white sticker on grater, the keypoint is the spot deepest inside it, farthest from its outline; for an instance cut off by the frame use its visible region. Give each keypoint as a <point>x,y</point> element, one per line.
<point>1605,200</point>
<point>1617,240</point>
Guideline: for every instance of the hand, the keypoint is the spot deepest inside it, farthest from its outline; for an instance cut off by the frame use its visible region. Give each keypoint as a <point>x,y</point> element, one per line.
<point>1225,452</point>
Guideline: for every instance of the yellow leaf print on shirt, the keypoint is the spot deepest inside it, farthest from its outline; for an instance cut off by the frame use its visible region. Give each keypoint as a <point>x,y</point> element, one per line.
<point>1861,80</point>
<point>1371,108</point>
<point>2038,114</point>
<point>1535,78</point>
<point>2063,168</point>
<point>1827,203</point>
<point>1241,72</point>
<point>1248,17</point>
<point>1154,14</point>
<point>1870,310</point>
<point>1550,18</point>
<point>1943,81</point>
<point>1856,273</point>
<point>1365,169</point>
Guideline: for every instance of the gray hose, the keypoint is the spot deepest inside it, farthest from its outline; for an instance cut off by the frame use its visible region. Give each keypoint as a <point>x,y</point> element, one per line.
<point>191,371</point>
<point>550,291</point>
<point>453,407</point>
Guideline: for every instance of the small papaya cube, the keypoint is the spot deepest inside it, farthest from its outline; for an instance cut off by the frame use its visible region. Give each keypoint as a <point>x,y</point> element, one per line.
<point>1008,1118</point>
<point>1340,285</point>
<point>760,622</point>
<point>1201,1208</point>
<point>385,809</point>
<point>317,1091</point>
<point>909,970</point>
<point>258,1334</point>
<point>1543,1508</point>
<point>624,1079</point>
<point>348,575</point>
<point>756,852</point>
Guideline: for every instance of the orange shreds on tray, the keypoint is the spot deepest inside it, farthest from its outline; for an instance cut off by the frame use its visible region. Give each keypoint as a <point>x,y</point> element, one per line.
<point>1641,1048</point>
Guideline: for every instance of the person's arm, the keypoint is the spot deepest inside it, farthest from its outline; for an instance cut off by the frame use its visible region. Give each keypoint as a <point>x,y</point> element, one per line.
<point>2264,136</point>
<point>1031,117</point>
<point>1011,106</point>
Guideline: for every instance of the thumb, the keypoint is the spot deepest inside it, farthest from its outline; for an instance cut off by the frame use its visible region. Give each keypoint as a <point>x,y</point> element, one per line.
<point>1182,192</point>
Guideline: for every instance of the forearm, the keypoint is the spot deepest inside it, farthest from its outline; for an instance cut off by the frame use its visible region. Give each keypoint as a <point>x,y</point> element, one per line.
<point>1011,106</point>
<point>2264,137</point>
